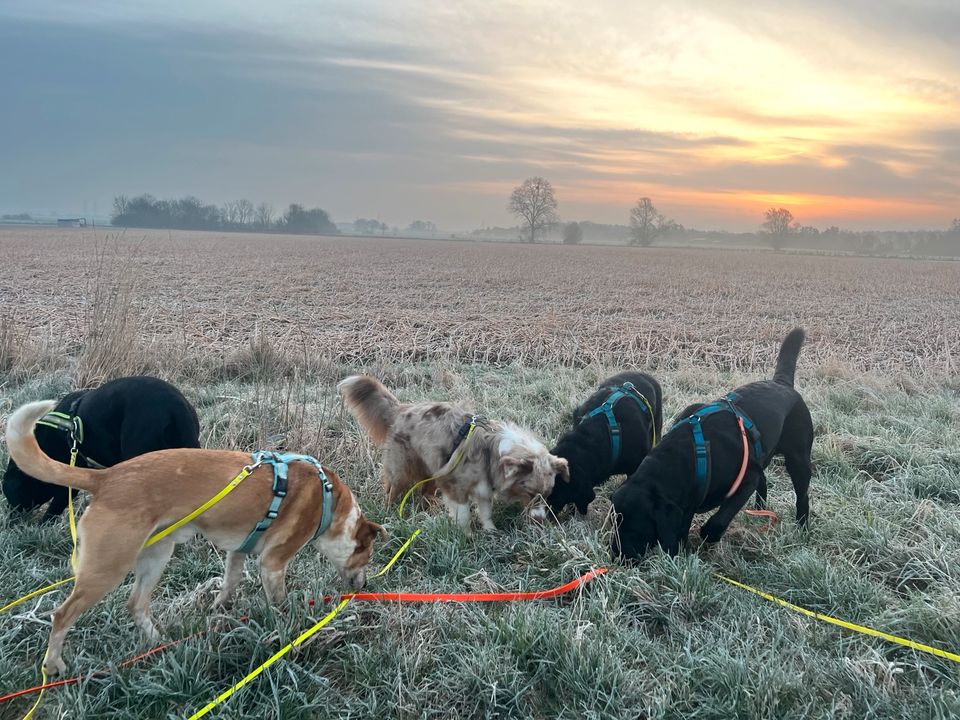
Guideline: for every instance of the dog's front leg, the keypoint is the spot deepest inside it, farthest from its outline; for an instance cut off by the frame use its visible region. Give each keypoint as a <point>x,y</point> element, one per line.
<point>459,513</point>
<point>149,567</point>
<point>714,528</point>
<point>232,574</point>
<point>273,572</point>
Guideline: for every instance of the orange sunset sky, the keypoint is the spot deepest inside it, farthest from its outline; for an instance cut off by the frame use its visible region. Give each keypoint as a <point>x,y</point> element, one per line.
<point>846,112</point>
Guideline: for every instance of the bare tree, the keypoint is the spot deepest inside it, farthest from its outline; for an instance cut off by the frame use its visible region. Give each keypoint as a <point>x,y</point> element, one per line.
<point>647,224</point>
<point>954,226</point>
<point>777,226</point>
<point>263,216</point>
<point>535,202</point>
<point>244,211</point>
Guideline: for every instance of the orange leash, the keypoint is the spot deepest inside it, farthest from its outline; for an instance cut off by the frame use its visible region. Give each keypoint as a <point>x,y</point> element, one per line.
<point>746,459</point>
<point>471,597</point>
<point>377,597</point>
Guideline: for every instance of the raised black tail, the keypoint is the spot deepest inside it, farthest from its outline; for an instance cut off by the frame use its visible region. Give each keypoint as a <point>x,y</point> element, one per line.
<point>787,359</point>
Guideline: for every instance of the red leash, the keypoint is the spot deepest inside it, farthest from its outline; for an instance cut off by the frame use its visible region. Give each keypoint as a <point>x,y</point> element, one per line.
<point>470,597</point>
<point>378,597</point>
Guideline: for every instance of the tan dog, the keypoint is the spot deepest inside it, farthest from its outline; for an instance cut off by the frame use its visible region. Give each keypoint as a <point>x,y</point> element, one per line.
<point>133,500</point>
<point>419,440</point>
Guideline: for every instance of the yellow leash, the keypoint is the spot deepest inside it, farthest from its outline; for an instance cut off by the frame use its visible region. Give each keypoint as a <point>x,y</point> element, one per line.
<point>844,624</point>
<point>302,638</point>
<point>458,457</point>
<point>247,470</point>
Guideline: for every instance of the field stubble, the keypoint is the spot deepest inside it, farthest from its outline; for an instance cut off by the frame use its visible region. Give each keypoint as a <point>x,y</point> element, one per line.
<point>257,331</point>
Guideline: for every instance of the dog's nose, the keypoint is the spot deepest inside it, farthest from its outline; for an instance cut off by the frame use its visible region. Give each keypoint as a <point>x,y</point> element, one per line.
<point>358,580</point>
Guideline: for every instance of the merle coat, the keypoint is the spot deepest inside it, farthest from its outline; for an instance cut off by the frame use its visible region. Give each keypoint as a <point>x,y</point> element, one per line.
<point>657,503</point>
<point>122,418</point>
<point>587,445</point>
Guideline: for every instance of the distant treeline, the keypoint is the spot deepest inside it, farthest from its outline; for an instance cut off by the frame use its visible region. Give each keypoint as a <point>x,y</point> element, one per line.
<point>190,213</point>
<point>939,243</point>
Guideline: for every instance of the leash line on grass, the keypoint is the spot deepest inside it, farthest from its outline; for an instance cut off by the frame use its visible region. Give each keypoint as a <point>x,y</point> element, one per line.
<point>302,638</point>
<point>862,629</point>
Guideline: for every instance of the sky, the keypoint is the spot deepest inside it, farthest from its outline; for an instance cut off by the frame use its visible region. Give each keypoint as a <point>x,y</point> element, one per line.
<point>846,112</point>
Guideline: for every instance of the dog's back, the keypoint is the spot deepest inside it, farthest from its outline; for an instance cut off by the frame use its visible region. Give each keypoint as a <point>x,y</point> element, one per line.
<point>122,419</point>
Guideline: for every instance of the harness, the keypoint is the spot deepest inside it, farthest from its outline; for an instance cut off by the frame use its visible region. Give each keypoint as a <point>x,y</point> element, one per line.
<point>280,463</point>
<point>627,390</point>
<point>72,425</point>
<point>701,446</point>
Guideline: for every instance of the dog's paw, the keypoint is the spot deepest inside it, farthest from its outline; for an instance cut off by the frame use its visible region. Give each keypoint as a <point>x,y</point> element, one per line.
<point>54,666</point>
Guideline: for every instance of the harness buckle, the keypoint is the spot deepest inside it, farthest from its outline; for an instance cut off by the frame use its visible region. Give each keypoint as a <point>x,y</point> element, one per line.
<point>272,514</point>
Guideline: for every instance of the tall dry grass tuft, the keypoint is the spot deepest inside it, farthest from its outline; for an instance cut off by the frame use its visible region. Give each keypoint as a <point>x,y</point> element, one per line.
<point>11,345</point>
<point>110,346</point>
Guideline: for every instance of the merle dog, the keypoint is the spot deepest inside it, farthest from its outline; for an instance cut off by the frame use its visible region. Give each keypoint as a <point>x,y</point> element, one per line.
<point>657,503</point>
<point>589,445</point>
<point>121,419</point>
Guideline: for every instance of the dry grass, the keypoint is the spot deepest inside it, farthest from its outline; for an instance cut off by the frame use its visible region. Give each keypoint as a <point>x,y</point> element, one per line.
<point>257,330</point>
<point>197,296</point>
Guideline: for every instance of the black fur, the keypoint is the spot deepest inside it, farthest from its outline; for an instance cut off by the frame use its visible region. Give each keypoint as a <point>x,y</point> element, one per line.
<point>121,419</point>
<point>586,446</point>
<point>657,503</point>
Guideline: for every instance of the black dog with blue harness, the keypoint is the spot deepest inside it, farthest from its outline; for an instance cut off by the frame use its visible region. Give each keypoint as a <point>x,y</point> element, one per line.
<point>702,447</point>
<point>612,431</point>
<point>733,441</point>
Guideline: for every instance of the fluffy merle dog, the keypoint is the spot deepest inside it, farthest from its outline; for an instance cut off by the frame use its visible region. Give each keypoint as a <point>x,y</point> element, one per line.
<point>657,503</point>
<point>588,444</point>
<point>121,419</point>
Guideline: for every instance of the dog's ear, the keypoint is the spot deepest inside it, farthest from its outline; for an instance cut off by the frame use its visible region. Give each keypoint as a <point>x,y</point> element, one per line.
<point>669,520</point>
<point>560,467</point>
<point>514,468</point>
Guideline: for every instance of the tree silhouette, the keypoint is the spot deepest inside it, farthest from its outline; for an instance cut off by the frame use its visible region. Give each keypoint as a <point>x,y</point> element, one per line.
<point>647,224</point>
<point>535,202</point>
<point>777,226</point>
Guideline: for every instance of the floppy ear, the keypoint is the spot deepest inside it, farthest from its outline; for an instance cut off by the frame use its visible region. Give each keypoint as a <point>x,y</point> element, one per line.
<point>514,467</point>
<point>561,467</point>
<point>669,520</point>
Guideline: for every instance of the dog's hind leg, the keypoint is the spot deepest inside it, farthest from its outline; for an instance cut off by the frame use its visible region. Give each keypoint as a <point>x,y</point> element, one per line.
<point>796,442</point>
<point>714,528</point>
<point>150,564</point>
<point>232,573</point>
<point>761,502</point>
<point>103,562</point>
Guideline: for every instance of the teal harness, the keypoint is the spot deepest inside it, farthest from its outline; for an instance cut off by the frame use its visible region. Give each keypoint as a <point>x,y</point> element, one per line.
<point>280,463</point>
<point>72,425</point>
<point>627,390</point>
<point>701,446</point>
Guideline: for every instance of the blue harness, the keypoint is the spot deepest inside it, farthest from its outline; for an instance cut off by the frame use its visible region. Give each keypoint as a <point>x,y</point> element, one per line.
<point>627,390</point>
<point>280,462</point>
<point>700,444</point>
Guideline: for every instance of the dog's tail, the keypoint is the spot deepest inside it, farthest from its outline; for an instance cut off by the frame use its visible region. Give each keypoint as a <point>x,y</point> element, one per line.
<point>374,407</point>
<point>787,359</point>
<point>25,451</point>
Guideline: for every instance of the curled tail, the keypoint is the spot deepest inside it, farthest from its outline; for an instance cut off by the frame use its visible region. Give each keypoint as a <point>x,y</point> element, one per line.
<point>374,407</point>
<point>26,453</point>
<point>787,359</point>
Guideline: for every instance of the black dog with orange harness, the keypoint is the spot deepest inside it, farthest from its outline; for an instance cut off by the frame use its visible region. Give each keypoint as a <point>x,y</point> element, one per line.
<point>715,456</point>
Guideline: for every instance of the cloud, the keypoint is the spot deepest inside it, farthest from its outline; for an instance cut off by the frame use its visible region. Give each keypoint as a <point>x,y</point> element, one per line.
<point>435,110</point>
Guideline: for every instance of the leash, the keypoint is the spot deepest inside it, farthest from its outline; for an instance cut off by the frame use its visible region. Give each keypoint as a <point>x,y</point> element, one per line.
<point>373,597</point>
<point>447,469</point>
<point>302,638</point>
<point>862,629</point>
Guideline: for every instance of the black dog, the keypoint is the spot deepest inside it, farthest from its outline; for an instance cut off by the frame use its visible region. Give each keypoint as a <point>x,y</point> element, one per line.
<point>597,446</point>
<point>121,419</point>
<point>657,503</point>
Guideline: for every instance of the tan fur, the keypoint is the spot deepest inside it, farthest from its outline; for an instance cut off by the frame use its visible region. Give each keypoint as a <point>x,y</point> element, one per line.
<point>419,439</point>
<point>134,499</point>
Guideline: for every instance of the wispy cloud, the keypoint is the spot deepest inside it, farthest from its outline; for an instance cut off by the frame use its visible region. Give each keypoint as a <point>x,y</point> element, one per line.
<point>845,111</point>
